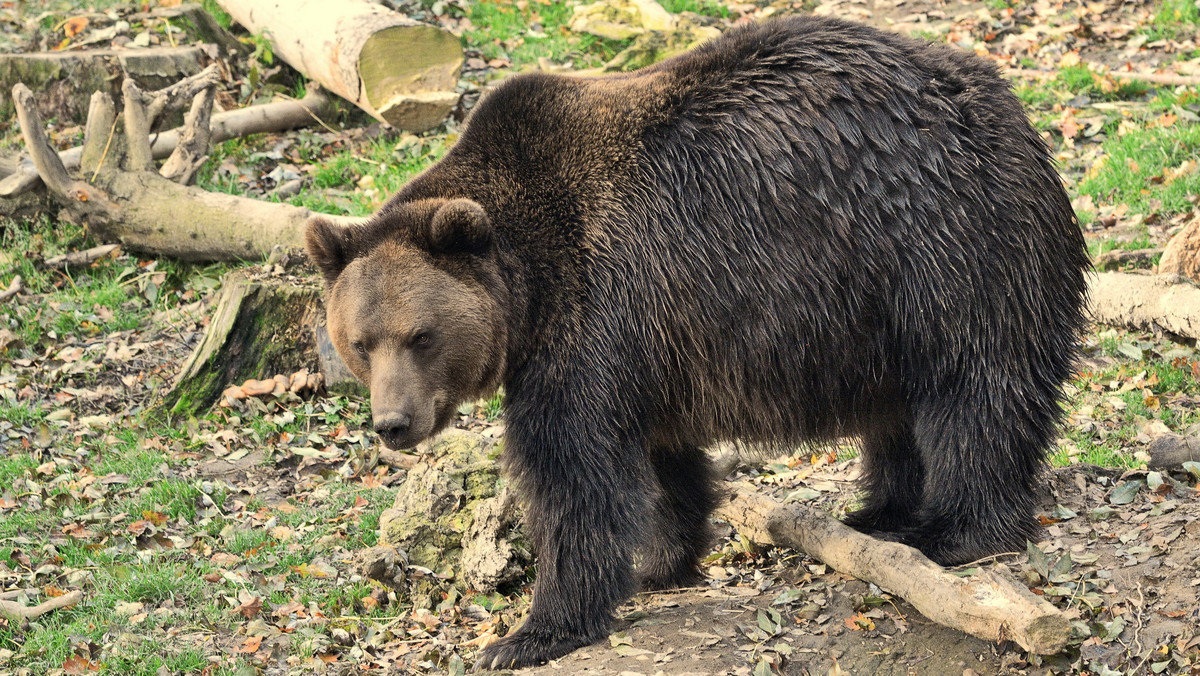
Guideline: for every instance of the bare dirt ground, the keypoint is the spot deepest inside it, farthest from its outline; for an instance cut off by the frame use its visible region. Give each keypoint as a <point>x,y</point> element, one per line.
<point>1132,575</point>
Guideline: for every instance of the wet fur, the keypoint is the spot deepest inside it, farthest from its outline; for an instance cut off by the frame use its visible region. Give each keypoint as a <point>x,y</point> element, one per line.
<point>802,230</point>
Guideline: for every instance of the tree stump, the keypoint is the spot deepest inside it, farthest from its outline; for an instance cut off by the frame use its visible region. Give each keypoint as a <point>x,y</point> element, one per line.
<point>65,81</point>
<point>259,329</point>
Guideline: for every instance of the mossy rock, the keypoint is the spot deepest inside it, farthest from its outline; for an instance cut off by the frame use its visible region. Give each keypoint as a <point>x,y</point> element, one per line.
<point>454,515</point>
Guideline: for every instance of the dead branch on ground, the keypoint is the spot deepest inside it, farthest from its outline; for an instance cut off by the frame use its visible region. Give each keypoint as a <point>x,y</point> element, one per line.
<point>1146,302</point>
<point>85,257</point>
<point>15,612</point>
<point>266,118</point>
<point>988,605</point>
<point>124,199</point>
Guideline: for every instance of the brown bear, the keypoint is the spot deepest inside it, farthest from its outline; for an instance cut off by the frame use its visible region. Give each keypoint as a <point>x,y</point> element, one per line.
<point>803,230</point>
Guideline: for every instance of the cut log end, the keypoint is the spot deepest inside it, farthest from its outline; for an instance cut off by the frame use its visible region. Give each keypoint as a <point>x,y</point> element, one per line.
<point>418,112</point>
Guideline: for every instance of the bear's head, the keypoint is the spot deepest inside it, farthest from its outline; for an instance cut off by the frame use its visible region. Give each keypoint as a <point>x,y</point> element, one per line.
<point>412,309</point>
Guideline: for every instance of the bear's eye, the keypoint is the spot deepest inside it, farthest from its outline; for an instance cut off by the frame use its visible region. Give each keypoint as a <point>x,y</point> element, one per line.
<point>359,349</point>
<point>421,340</point>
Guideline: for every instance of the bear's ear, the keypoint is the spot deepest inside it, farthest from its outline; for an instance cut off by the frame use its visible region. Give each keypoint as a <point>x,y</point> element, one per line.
<point>460,226</point>
<point>330,246</point>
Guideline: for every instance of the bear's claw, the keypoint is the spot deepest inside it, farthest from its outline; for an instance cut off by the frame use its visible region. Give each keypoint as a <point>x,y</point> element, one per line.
<point>526,649</point>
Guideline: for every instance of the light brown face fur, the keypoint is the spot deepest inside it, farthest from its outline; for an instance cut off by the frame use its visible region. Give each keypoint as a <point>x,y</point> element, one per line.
<point>423,339</point>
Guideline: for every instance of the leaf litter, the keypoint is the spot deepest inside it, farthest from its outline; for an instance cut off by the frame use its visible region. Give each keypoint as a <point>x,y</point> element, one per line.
<point>231,538</point>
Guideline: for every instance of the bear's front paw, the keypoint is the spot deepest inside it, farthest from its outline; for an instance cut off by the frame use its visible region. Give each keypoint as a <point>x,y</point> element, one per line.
<point>527,649</point>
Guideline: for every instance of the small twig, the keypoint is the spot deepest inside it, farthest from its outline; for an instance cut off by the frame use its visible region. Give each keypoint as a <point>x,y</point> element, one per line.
<point>16,593</point>
<point>1137,631</point>
<point>85,257</point>
<point>13,289</point>
<point>314,99</point>
<point>16,612</point>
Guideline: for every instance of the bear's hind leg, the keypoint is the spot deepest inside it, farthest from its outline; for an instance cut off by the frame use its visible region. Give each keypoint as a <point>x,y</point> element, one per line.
<point>892,479</point>
<point>679,533</point>
<point>983,456</point>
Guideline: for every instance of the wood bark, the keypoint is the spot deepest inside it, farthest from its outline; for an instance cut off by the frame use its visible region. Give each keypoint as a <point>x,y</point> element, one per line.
<point>64,81</point>
<point>266,118</point>
<point>125,201</point>
<point>398,70</point>
<point>988,605</point>
<point>258,330</point>
<point>1170,451</point>
<point>16,612</point>
<point>1146,302</point>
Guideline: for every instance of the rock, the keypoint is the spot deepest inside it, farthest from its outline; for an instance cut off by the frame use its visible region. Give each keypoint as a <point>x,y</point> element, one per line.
<point>490,556</point>
<point>1182,254</point>
<point>453,515</point>
<point>384,564</point>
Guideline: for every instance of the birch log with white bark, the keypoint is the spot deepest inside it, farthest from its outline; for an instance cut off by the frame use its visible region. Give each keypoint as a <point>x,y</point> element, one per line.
<point>398,70</point>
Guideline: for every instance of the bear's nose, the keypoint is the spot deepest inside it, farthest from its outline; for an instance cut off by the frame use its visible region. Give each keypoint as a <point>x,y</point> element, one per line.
<point>393,427</point>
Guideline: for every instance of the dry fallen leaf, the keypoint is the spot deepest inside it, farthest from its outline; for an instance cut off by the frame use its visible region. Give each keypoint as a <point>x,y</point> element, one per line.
<point>75,25</point>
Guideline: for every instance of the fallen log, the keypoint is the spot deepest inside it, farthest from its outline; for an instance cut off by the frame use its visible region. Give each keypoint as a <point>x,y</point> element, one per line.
<point>989,605</point>
<point>397,70</point>
<point>1170,451</point>
<point>262,119</point>
<point>1146,302</point>
<point>124,200</point>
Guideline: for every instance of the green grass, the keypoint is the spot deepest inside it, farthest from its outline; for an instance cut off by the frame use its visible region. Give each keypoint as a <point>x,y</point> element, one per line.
<point>103,298</point>
<point>1034,96</point>
<point>1082,80</point>
<point>703,7</point>
<point>502,30</point>
<point>354,180</point>
<point>1175,19</point>
<point>1131,169</point>
<point>1100,246</point>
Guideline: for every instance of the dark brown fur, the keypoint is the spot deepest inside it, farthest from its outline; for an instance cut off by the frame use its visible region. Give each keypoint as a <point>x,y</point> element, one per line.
<point>803,230</point>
